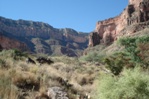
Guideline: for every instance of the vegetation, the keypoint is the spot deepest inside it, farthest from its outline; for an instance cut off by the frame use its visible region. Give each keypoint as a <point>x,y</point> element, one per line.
<point>135,53</point>
<point>132,84</point>
<point>144,53</point>
<point>116,62</point>
<point>24,80</point>
<point>14,54</point>
<point>3,64</point>
<point>89,74</point>
<point>93,57</point>
<point>7,90</point>
<point>130,69</point>
<point>17,54</point>
<point>94,54</point>
<point>134,48</point>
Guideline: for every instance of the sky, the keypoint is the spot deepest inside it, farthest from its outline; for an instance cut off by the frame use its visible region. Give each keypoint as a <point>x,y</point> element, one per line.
<point>80,15</point>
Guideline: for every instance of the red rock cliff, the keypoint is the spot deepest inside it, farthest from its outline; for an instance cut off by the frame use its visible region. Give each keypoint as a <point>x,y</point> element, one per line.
<point>108,30</point>
<point>7,43</point>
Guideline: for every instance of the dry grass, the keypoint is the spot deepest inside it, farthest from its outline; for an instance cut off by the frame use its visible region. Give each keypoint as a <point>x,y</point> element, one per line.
<point>7,90</point>
<point>34,79</point>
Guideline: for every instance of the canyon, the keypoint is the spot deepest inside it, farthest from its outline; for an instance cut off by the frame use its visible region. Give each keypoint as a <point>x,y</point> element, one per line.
<point>41,38</point>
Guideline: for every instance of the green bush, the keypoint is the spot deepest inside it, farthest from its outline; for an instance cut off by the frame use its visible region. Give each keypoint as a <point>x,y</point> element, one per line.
<point>13,53</point>
<point>117,62</point>
<point>131,47</point>
<point>17,54</point>
<point>93,57</point>
<point>144,53</point>
<point>132,84</point>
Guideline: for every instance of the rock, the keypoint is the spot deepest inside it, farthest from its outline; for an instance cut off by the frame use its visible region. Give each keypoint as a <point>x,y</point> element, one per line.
<point>43,60</point>
<point>67,51</point>
<point>41,37</point>
<point>107,31</point>
<point>9,43</point>
<point>57,93</point>
<point>94,39</point>
<point>29,60</point>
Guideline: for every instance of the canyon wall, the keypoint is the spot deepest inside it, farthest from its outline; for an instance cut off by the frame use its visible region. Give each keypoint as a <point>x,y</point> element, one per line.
<point>41,38</point>
<point>7,43</point>
<point>109,30</point>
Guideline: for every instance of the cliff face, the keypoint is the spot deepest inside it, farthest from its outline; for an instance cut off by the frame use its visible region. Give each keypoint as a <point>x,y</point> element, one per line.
<point>41,37</point>
<point>135,2</point>
<point>7,43</point>
<point>111,29</point>
<point>108,29</point>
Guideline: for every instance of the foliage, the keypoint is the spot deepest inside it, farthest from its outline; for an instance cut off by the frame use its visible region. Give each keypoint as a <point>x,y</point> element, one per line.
<point>30,79</point>
<point>132,47</point>
<point>17,54</point>
<point>93,57</point>
<point>116,62</point>
<point>3,64</point>
<point>7,90</point>
<point>13,53</point>
<point>133,84</point>
<point>144,53</point>
<point>136,52</point>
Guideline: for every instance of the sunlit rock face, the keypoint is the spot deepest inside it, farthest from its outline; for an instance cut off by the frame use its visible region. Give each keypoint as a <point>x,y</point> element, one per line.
<point>135,2</point>
<point>41,38</point>
<point>111,29</point>
<point>108,29</point>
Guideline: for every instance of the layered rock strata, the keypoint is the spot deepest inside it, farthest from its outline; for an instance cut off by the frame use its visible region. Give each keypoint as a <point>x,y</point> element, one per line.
<point>42,38</point>
<point>111,29</point>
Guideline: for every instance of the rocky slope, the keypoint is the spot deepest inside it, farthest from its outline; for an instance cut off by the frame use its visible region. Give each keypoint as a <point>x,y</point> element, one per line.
<point>134,18</point>
<point>8,43</point>
<point>40,37</point>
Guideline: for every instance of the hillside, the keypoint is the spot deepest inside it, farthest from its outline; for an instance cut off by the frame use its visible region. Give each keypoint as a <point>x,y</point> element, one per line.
<point>114,66</point>
<point>66,77</point>
<point>41,38</point>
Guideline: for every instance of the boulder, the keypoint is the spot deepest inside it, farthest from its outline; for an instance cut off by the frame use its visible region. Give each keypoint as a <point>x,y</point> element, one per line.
<point>43,60</point>
<point>57,93</point>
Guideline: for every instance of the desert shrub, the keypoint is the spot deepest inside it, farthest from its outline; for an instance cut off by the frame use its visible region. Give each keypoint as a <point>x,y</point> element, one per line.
<point>85,80</point>
<point>133,84</point>
<point>144,53</point>
<point>117,62</point>
<point>17,54</point>
<point>14,53</point>
<point>7,90</point>
<point>3,64</point>
<point>26,81</point>
<point>64,59</point>
<point>5,53</point>
<point>136,52</point>
<point>93,57</point>
<point>132,47</point>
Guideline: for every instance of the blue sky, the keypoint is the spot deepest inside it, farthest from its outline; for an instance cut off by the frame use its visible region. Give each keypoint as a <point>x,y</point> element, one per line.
<point>80,15</point>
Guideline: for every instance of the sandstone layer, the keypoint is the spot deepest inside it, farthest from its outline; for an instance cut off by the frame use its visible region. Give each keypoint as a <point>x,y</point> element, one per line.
<point>109,30</point>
